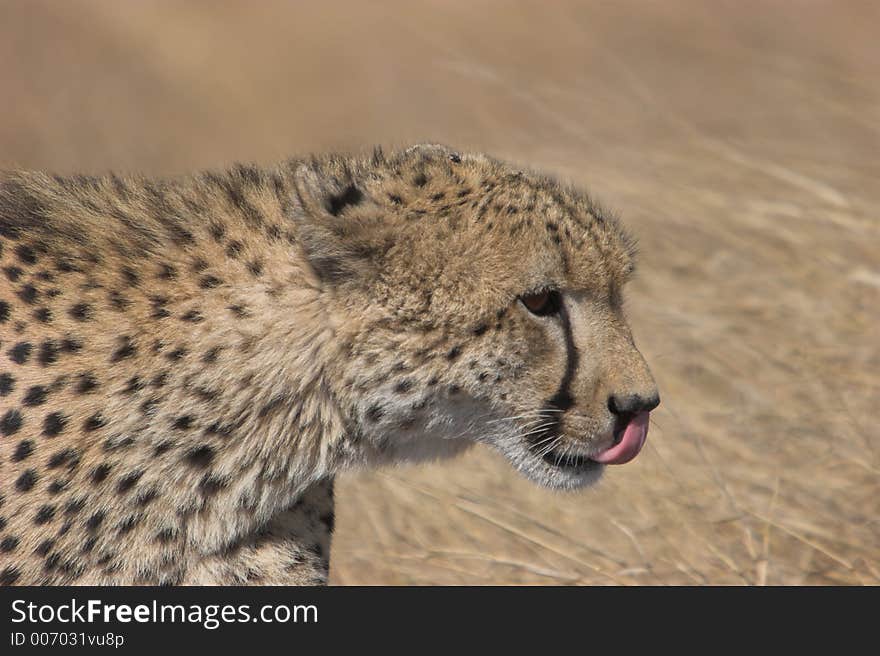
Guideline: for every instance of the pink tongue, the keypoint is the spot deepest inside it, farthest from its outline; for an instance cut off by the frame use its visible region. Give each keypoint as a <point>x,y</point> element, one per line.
<point>634,436</point>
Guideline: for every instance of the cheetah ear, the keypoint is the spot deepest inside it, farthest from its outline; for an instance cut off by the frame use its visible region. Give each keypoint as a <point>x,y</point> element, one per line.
<point>340,243</point>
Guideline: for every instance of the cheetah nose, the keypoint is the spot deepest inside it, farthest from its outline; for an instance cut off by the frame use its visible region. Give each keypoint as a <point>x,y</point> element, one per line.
<point>632,412</point>
<point>632,404</point>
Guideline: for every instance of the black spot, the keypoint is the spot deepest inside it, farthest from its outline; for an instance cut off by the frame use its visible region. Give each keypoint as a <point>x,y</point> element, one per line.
<point>43,314</point>
<point>61,458</point>
<point>395,199</point>
<point>480,329</point>
<point>52,561</point>
<point>7,384</point>
<point>211,484</point>
<point>420,180</point>
<point>9,544</point>
<point>13,273</point>
<point>74,506</point>
<point>375,412</point>
<point>44,514</point>
<point>453,353</point>
<point>126,349</point>
<point>201,456</point>
<point>133,385</point>
<point>162,448</point>
<point>89,544</point>
<point>159,309</point>
<point>144,498</point>
<point>93,522</point>
<point>206,394</point>
<point>192,316</point>
<point>36,395</point>
<point>455,158</point>
<point>183,423</point>
<point>26,254</point>
<point>167,272</point>
<point>209,282</point>
<point>166,535</point>
<point>27,480</point>
<point>81,312</point>
<point>159,380</point>
<point>28,294</point>
<point>118,301</point>
<point>274,232</point>
<point>57,486</point>
<point>71,345</point>
<point>274,403</point>
<point>10,423</point>
<point>94,422</point>
<point>48,353</point>
<point>2,523</point>
<point>233,250</point>
<point>117,442</point>
<point>255,267</point>
<point>351,195</point>
<point>218,231</point>
<point>403,386</point>
<point>44,547</point>
<point>53,424</point>
<point>86,383</point>
<point>239,311</point>
<point>20,353</point>
<point>218,428</point>
<point>211,356</point>
<point>131,278</point>
<point>100,473</point>
<point>177,353</point>
<point>127,524</point>
<point>454,389</point>
<point>23,450</point>
<point>128,481</point>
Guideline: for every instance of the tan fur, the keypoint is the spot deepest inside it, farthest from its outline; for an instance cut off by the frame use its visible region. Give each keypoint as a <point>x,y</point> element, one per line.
<point>185,365</point>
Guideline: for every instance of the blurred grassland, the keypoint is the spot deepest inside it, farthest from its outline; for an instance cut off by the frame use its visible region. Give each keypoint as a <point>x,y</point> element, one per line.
<point>738,141</point>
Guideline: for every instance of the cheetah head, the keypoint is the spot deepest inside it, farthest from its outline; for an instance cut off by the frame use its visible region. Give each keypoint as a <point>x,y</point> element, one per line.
<point>476,303</point>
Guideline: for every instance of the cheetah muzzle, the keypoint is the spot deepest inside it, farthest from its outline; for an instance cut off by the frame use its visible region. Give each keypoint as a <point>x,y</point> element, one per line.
<point>186,364</point>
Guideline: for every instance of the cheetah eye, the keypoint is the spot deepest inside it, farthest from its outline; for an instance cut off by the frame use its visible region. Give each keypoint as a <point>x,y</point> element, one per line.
<point>543,303</point>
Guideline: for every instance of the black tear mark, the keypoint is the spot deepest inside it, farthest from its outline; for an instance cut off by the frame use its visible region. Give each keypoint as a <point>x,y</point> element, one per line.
<point>562,400</point>
<point>351,195</point>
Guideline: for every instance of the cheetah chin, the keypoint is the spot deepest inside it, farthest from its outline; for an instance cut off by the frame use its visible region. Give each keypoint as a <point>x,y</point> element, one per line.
<point>572,468</point>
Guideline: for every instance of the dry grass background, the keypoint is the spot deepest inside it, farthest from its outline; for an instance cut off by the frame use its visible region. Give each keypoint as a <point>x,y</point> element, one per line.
<point>739,141</point>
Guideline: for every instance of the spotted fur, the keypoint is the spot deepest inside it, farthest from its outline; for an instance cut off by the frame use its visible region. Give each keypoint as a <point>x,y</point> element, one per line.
<point>186,364</point>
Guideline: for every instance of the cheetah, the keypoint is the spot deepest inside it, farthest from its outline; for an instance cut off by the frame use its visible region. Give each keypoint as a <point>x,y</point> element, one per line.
<point>186,364</point>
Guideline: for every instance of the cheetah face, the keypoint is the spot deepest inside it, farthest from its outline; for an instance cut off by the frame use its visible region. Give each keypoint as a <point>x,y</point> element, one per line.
<point>477,303</point>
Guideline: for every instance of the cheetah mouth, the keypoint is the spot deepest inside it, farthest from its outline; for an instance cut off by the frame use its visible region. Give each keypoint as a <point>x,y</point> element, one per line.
<point>630,433</point>
<point>568,461</point>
